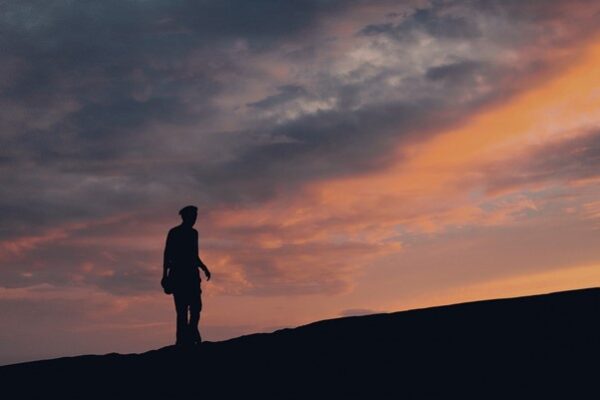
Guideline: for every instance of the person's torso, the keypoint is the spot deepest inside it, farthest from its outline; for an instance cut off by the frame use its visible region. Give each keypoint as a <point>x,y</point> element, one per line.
<point>184,249</point>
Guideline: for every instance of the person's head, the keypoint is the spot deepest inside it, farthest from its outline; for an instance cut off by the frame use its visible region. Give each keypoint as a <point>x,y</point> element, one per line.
<point>189,215</point>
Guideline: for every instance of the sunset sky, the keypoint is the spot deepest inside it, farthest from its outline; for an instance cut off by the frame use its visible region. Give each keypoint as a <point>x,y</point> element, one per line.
<point>346,157</point>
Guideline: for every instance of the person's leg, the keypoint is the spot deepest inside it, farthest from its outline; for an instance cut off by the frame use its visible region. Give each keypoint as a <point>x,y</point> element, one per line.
<point>195,308</point>
<point>181,307</point>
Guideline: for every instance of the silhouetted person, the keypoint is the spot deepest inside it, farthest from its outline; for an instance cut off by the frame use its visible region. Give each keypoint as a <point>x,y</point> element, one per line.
<point>180,267</point>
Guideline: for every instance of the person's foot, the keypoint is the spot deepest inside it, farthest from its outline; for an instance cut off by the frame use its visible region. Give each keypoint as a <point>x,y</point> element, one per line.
<point>184,341</point>
<point>196,338</point>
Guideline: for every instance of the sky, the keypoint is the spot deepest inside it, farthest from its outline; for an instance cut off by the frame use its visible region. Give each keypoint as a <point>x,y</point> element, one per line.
<point>347,157</point>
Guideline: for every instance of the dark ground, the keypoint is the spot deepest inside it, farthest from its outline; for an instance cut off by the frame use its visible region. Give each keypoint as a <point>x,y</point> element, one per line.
<point>535,347</point>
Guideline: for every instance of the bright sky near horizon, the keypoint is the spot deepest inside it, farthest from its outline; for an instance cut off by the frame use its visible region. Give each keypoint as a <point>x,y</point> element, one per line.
<point>347,157</point>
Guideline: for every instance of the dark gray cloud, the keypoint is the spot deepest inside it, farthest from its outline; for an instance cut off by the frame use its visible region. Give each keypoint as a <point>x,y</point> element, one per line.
<point>432,21</point>
<point>565,160</point>
<point>353,312</point>
<point>128,107</point>
<point>286,93</point>
<point>462,72</point>
<point>87,80</point>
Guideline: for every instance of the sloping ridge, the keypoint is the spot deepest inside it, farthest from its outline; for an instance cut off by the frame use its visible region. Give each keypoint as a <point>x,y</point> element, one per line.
<point>526,347</point>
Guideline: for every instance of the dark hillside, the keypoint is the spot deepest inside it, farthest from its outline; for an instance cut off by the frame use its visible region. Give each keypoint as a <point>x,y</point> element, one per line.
<point>533,347</point>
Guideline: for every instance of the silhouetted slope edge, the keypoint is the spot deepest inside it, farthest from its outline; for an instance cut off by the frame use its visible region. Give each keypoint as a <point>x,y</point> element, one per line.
<point>526,347</point>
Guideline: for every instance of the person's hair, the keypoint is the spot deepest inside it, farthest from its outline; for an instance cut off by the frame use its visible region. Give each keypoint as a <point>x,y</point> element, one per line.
<point>188,210</point>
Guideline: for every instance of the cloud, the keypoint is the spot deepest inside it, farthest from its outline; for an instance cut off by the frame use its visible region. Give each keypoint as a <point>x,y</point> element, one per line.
<point>433,21</point>
<point>230,105</point>
<point>460,73</point>
<point>285,94</point>
<point>351,312</point>
<point>565,160</point>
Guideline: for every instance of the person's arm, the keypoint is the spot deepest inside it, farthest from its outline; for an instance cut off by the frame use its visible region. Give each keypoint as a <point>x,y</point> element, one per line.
<point>205,269</point>
<point>167,257</point>
<point>202,266</point>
